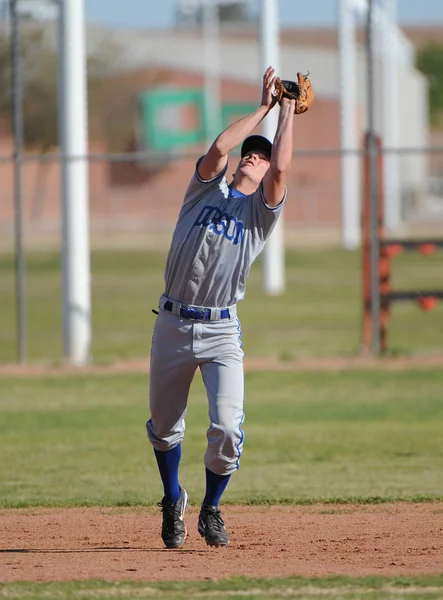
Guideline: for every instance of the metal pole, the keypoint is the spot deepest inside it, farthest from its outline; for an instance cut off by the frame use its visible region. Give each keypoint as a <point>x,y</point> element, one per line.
<point>17,118</point>
<point>390,114</point>
<point>273,254</point>
<point>349,130</point>
<point>211,35</point>
<point>373,185</point>
<point>74,148</point>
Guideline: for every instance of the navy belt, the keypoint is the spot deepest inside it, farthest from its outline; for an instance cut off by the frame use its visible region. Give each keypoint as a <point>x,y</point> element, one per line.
<point>199,314</point>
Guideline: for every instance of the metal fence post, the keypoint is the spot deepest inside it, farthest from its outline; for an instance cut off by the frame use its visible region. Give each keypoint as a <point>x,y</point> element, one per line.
<point>17,126</point>
<point>373,186</point>
<point>73,132</point>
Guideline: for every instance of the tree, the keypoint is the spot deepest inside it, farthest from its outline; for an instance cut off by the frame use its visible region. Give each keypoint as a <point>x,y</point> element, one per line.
<point>39,81</point>
<point>430,63</point>
<point>39,89</point>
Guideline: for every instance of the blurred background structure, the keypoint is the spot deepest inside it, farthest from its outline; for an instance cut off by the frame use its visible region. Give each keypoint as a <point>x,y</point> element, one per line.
<point>146,90</point>
<point>162,80</point>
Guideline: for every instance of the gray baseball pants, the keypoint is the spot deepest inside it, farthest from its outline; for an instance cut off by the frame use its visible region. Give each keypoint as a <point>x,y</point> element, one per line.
<point>179,347</point>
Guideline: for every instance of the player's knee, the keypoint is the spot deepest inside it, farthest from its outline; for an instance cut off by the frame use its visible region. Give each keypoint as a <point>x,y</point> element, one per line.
<point>225,445</point>
<point>163,439</point>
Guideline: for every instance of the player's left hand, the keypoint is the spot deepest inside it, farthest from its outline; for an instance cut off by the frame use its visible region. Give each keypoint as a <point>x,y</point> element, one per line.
<point>300,91</point>
<point>268,98</point>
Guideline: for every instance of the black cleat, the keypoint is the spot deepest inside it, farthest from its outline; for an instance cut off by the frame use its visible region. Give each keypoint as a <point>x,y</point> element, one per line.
<point>173,526</point>
<point>211,526</point>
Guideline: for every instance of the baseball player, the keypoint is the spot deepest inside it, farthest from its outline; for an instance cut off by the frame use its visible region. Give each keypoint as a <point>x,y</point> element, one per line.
<point>222,227</point>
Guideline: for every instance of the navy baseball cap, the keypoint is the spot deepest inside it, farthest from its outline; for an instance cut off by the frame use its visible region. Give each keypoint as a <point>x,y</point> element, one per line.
<point>256,142</point>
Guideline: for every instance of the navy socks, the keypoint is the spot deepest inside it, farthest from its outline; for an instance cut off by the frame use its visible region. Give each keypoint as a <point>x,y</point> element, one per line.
<point>215,486</point>
<point>168,463</point>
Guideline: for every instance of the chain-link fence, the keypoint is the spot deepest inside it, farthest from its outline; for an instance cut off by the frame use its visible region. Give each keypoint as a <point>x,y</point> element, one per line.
<point>131,192</point>
<point>127,196</point>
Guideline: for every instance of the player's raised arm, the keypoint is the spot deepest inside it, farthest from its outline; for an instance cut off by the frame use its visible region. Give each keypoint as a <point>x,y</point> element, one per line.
<point>216,158</point>
<point>275,179</point>
<point>294,98</point>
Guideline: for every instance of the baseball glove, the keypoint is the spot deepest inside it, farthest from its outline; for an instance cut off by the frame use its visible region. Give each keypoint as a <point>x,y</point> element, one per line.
<point>300,91</point>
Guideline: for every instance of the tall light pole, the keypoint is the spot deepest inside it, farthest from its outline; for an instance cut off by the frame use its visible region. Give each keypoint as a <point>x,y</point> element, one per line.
<point>273,254</point>
<point>393,49</point>
<point>74,148</point>
<point>390,67</point>
<point>211,35</point>
<point>17,126</point>
<point>349,128</point>
<point>373,182</point>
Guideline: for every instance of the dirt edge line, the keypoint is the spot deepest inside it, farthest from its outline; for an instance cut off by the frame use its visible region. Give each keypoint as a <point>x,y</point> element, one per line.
<point>141,365</point>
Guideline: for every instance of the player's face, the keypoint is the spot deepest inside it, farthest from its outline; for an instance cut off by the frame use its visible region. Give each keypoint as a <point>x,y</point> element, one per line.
<point>254,164</point>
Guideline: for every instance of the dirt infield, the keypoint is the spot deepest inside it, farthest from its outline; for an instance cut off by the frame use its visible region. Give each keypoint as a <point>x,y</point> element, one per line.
<point>118,544</point>
<point>141,365</point>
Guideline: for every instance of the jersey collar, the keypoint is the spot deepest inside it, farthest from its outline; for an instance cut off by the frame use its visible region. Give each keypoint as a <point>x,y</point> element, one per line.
<point>234,193</point>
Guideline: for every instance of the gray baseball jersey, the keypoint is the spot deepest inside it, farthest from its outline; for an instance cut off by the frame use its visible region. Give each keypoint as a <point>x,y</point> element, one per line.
<point>217,237</point>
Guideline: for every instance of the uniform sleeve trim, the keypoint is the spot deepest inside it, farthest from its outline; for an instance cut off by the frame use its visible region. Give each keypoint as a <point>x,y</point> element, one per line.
<point>264,199</point>
<point>222,172</point>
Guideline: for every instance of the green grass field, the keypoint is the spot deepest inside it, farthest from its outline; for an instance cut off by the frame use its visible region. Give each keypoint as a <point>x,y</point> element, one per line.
<point>319,314</point>
<point>356,435</point>
<point>342,588</point>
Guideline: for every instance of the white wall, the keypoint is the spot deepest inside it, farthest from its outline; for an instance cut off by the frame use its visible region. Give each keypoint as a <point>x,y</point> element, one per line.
<point>413,129</point>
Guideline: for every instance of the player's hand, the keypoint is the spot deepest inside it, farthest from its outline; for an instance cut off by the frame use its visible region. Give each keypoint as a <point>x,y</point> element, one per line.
<point>268,99</point>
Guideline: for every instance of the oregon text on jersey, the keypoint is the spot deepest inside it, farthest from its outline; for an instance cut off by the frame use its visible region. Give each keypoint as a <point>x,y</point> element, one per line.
<point>221,223</point>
